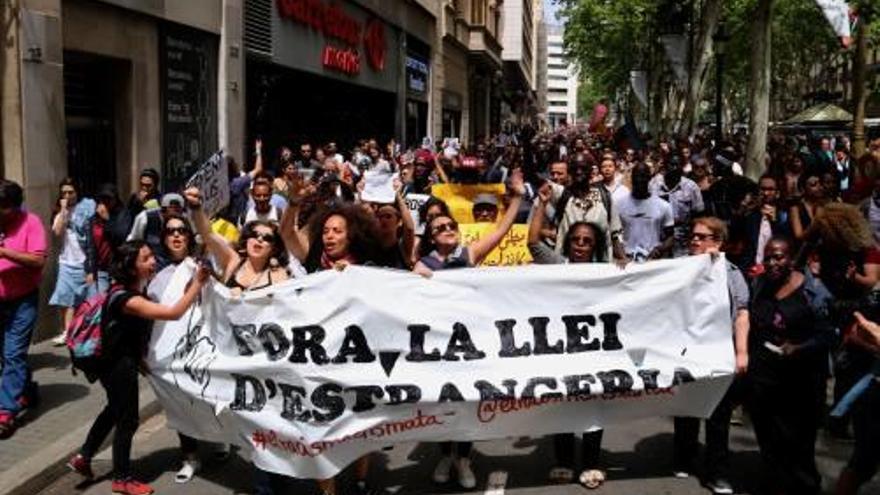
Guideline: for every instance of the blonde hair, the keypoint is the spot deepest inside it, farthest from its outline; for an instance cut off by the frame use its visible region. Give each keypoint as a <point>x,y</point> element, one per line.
<point>715,225</point>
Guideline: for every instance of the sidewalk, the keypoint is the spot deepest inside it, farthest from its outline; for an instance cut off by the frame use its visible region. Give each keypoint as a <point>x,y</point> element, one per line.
<point>50,434</point>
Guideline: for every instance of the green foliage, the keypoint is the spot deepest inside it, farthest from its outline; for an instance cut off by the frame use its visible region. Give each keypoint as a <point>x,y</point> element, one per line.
<point>608,38</point>
<point>587,96</point>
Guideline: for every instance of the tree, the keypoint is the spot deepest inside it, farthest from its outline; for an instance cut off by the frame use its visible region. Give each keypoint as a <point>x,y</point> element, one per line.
<point>698,71</point>
<point>759,88</point>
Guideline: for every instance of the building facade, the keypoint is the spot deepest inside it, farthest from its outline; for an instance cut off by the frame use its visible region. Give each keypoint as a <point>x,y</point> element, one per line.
<point>562,82</point>
<point>519,42</point>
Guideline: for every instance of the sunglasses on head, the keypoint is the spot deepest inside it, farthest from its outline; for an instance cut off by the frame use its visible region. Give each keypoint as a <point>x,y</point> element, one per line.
<point>445,227</point>
<point>270,238</point>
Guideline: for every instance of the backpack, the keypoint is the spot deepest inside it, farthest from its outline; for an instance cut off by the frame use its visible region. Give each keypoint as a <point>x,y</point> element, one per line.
<point>86,334</point>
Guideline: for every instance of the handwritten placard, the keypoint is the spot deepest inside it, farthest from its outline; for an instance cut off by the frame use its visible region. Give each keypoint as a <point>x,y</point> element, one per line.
<point>460,198</point>
<point>212,179</point>
<point>513,249</point>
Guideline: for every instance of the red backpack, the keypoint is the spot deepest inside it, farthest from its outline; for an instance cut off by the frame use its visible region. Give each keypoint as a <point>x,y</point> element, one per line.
<point>86,333</point>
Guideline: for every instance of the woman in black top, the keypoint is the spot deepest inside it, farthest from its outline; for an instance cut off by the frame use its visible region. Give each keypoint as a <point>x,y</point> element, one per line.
<point>788,345</point>
<point>260,258</point>
<point>127,318</point>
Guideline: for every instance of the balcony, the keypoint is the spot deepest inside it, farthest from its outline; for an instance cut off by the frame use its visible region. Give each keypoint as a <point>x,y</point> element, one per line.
<point>484,47</point>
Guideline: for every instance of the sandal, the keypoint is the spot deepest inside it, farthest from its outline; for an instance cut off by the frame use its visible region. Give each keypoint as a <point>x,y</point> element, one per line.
<point>592,478</point>
<point>561,475</point>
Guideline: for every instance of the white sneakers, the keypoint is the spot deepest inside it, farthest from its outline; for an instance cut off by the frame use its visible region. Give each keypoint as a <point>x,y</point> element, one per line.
<point>187,471</point>
<point>466,476</point>
<point>60,340</point>
<point>441,472</point>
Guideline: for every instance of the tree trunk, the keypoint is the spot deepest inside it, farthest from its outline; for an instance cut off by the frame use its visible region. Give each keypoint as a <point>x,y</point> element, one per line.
<point>759,89</point>
<point>859,89</point>
<point>711,14</point>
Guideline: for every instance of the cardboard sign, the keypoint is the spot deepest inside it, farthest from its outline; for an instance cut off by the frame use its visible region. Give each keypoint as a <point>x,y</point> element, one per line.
<point>460,197</point>
<point>212,179</point>
<point>513,250</point>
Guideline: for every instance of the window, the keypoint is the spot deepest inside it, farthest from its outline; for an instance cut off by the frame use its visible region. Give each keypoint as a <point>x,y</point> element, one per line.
<point>557,78</point>
<point>558,103</point>
<point>559,91</point>
<point>557,66</point>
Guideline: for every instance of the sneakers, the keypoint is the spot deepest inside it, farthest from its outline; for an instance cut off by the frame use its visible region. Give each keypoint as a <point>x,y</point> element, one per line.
<point>466,476</point>
<point>222,452</point>
<point>7,425</point>
<point>80,464</point>
<point>190,466</point>
<point>720,486</point>
<point>681,474</point>
<point>30,397</point>
<point>441,472</point>
<point>131,486</point>
<point>60,340</point>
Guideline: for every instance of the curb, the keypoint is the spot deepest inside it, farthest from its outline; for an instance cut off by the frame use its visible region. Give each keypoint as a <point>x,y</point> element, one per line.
<point>46,466</point>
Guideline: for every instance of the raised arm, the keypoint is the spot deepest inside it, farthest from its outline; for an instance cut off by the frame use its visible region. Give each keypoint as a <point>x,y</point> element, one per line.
<point>59,223</point>
<point>215,244</point>
<point>258,161</point>
<point>409,226</point>
<point>538,214</point>
<point>482,247</point>
<point>296,241</point>
<point>142,307</point>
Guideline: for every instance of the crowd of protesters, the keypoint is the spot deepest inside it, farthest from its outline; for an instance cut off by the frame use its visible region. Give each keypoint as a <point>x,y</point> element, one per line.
<point>801,245</point>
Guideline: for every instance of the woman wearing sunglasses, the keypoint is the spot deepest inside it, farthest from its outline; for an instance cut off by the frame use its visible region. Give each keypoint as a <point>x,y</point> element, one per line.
<point>259,260</point>
<point>584,243</point>
<point>179,244</point>
<point>441,249</point>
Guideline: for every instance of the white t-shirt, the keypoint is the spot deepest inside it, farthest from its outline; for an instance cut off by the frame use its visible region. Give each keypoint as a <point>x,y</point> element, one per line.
<point>72,253</point>
<point>643,222</point>
<point>273,216</point>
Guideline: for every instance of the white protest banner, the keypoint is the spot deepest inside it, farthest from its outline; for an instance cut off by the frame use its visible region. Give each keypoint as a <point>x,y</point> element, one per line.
<point>309,375</point>
<point>378,186</point>
<point>414,203</point>
<point>212,179</point>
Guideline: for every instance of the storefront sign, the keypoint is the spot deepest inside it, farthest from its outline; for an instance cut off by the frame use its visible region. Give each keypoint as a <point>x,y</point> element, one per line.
<point>189,101</point>
<point>336,25</point>
<point>416,75</point>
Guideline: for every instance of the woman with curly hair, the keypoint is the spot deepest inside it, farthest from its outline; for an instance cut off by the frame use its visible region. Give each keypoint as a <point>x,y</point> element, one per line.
<point>335,238</point>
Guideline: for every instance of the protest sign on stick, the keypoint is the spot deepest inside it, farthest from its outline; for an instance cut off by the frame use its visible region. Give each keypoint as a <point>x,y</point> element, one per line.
<point>212,179</point>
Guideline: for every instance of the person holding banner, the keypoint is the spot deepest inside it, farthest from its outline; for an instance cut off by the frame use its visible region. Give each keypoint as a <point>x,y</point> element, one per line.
<point>179,243</point>
<point>441,249</point>
<point>583,244</point>
<point>788,349</point>
<point>128,315</point>
<point>708,234</point>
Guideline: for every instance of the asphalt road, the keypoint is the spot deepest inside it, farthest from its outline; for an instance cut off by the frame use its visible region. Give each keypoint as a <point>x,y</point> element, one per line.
<point>638,458</point>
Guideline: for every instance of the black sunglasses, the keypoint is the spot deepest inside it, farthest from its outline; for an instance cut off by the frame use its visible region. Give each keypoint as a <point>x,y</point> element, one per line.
<point>445,227</point>
<point>270,238</point>
<point>177,230</point>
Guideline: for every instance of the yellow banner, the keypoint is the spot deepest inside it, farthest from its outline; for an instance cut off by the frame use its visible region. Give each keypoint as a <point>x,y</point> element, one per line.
<point>460,197</point>
<point>513,249</point>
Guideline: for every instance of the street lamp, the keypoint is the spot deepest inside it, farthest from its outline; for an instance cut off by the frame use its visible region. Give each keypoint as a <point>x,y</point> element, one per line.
<point>719,40</point>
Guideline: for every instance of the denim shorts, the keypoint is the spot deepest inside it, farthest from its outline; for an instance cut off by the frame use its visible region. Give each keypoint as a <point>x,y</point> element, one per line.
<point>70,289</point>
